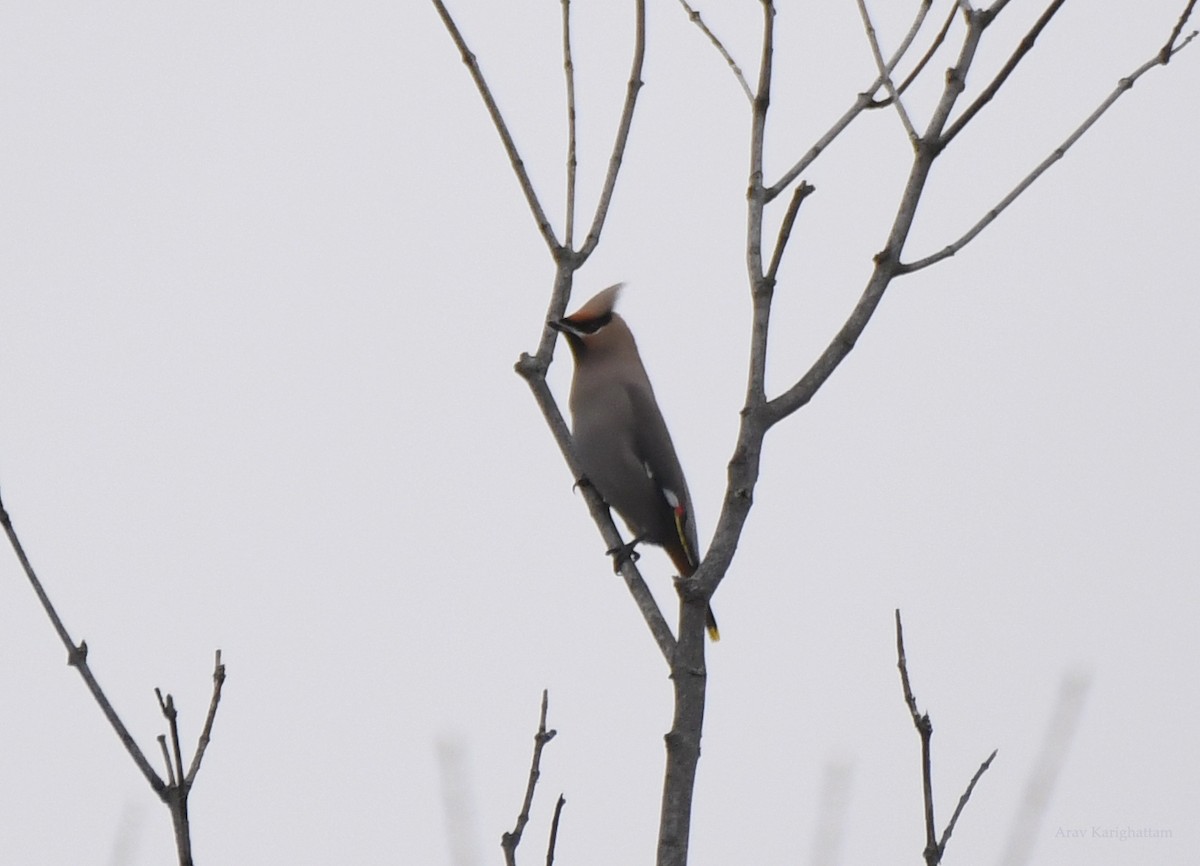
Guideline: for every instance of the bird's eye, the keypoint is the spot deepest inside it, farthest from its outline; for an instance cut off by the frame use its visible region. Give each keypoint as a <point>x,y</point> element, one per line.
<point>591,326</point>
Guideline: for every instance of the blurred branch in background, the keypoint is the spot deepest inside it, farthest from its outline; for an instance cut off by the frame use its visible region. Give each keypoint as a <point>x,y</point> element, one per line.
<point>1060,731</point>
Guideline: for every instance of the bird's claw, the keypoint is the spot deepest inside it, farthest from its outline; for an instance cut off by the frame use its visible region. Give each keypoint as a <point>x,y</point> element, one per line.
<point>623,552</point>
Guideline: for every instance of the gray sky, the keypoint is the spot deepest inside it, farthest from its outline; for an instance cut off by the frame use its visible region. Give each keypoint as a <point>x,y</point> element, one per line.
<point>264,272</point>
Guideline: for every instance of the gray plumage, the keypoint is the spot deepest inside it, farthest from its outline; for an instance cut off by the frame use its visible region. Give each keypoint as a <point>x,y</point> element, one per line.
<point>620,436</point>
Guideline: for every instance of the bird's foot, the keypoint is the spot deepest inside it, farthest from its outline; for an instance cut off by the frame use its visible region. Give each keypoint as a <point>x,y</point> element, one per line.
<point>622,553</point>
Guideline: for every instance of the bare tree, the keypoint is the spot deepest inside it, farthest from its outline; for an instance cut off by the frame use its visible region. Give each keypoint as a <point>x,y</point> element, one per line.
<point>931,126</point>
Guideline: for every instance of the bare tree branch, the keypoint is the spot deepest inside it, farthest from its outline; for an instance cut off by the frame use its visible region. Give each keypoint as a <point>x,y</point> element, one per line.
<point>689,676</point>
<point>206,732</point>
<point>618,151</point>
<point>1123,86</point>
<point>166,756</point>
<point>176,793</point>
<point>864,101</point>
<point>885,73</point>
<point>962,801</point>
<point>569,71</point>
<point>558,807</point>
<point>510,146</point>
<point>531,369</point>
<point>167,706</point>
<point>758,125</point>
<point>1169,49</point>
<point>915,72</point>
<point>803,191</point>
<point>173,792</point>
<point>509,841</point>
<point>925,731</point>
<point>934,849</point>
<point>77,658</point>
<point>887,260</point>
<point>694,15</point>
<point>1023,48</point>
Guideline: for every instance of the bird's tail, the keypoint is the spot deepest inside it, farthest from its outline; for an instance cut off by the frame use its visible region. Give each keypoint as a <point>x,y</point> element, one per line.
<point>710,623</point>
<point>683,561</point>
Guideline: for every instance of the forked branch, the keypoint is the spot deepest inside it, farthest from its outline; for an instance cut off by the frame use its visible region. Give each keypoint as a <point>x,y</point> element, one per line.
<point>1023,48</point>
<point>533,372</point>
<point>935,847</point>
<point>865,100</point>
<point>885,73</point>
<point>173,792</point>
<point>77,658</point>
<point>569,72</point>
<point>533,367</point>
<point>1161,58</point>
<point>915,72</point>
<point>694,17</point>
<point>510,146</point>
<point>510,840</point>
<point>623,126</point>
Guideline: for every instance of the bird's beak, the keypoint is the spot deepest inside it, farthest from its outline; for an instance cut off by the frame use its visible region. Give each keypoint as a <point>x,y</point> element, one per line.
<point>564,326</point>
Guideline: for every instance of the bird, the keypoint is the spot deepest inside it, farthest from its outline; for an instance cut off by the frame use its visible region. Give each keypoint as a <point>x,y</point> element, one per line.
<point>621,439</point>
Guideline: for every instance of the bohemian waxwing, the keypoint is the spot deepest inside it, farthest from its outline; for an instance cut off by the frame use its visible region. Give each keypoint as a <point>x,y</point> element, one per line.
<point>620,437</point>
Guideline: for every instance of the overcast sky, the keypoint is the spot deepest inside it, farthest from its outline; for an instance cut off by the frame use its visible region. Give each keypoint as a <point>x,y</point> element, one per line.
<point>264,271</point>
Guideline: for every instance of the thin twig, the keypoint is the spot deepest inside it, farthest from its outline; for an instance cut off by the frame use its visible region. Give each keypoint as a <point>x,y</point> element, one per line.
<point>694,15</point>
<point>569,71</point>
<point>888,259</point>
<point>176,795</point>
<point>206,733</point>
<point>934,848</point>
<point>77,658</point>
<point>863,101</point>
<point>1168,48</point>
<point>618,151</point>
<point>962,801</point>
<point>172,716</point>
<point>509,841</point>
<point>885,74</point>
<point>925,731</point>
<point>761,287</point>
<point>510,147</point>
<point>802,191</point>
<point>925,58</point>
<point>1058,153</point>
<point>166,756</point>
<point>558,807</point>
<point>1023,48</point>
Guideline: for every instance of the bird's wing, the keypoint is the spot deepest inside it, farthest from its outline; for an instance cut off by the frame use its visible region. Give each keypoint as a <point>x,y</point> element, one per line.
<point>656,451</point>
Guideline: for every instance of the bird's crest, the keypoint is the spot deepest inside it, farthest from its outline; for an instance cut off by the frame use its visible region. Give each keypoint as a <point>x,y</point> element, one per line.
<point>599,305</point>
